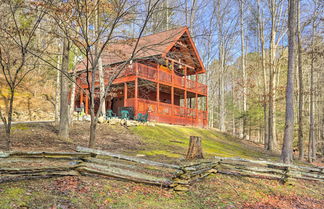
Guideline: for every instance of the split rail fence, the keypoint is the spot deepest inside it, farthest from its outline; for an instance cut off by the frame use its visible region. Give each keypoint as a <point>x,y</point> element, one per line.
<point>16,166</point>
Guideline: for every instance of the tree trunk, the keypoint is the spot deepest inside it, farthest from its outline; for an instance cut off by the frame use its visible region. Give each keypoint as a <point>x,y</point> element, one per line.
<point>301,89</point>
<point>222,91</point>
<point>72,100</point>
<point>102,85</point>
<point>8,122</point>
<point>287,152</point>
<point>93,126</point>
<point>64,104</point>
<point>272,123</point>
<point>245,134</point>
<point>102,110</point>
<point>311,144</point>
<point>233,103</point>
<point>57,92</point>
<point>265,94</point>
<point>195,148</point>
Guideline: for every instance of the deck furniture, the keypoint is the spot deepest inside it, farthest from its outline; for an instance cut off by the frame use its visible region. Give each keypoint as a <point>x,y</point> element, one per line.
<point>110,114</point>
<point>142,118</point>
<point>124,114</point>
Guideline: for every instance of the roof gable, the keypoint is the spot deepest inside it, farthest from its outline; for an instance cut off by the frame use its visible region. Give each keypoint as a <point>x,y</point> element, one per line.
<point>188,51</point>
<point>158,44</point>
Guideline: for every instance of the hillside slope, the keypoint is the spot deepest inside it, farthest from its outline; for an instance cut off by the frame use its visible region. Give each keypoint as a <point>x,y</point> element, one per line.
<point>173,141</point>
<point>162,143</point>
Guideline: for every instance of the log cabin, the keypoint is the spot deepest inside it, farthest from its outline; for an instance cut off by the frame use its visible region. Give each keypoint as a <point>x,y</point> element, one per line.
<point>161,78</point>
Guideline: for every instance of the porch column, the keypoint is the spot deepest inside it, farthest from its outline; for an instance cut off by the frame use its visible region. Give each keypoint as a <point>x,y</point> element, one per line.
<point>172,88</point>
<point>196,80</point>
<point>135,97</point>
<point>172,72</point>
<point>196,107</point>
<point>125,94</point>
<point>81,97</point>
<point>87,103</point>
<point>185,91</point>
<point>158,89</point>
<point>172,95</point>
<point>206,113</point>
<point>158,97</point>
<point>185,104</point>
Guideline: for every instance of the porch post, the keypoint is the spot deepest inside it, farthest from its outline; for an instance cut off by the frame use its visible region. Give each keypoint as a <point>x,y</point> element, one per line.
<point>185,99</point>
<point>196,107</point>
<point>136,95</point>
<point>158,96</point>
<point>125,94</point>
<point>185,91</point>
<point>81,97</point>
<point>172,89</point>
<point>87,103</point>
<point>172,95</point>
<point>206,113</point>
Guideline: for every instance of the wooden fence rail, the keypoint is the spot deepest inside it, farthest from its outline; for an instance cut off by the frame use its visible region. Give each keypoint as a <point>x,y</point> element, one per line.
<point>30,165</point>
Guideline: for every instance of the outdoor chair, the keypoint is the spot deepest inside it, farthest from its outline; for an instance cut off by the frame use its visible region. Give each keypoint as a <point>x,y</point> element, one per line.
<point>142,118</point>
<point>124,114</point>
<point>110,114</point>
<point>139,117</point>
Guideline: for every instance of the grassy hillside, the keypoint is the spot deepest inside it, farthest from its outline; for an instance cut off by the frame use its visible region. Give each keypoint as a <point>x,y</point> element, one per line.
<point>161,143</point>
<point>172,141</point>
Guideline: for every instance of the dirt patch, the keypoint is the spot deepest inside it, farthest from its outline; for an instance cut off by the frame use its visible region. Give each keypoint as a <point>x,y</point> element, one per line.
<point>289,201</point>
<point>43,137</point>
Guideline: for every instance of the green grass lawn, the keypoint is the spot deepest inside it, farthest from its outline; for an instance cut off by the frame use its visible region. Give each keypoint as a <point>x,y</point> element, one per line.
<point>173,141</point>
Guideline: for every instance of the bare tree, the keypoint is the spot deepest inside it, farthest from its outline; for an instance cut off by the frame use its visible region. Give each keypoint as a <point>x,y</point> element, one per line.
<point>245,134</point>
<point>226,32</point>
<point>18,25</point>
<point>260,21</point>
<point>287,154</point>
<point>100,68</point>
<point>301,87</point>
<point>276,13</point>
<point>311,143</point>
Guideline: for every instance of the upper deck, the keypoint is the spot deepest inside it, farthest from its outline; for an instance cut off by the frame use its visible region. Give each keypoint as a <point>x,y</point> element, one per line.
<point>157,75</point>
<point>160,75</point>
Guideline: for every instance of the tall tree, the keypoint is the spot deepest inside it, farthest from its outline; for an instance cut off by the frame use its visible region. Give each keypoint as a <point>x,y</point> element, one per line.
<point>287,152</point>
<point>301,88</point>
<point>276,13</point>
<point>263,67</point>
<point>64,92</point>
<point>245,134</point>
<point>221,58</point>
<point>58,88</point>
<point>311,143</point>
<point>100,67</point>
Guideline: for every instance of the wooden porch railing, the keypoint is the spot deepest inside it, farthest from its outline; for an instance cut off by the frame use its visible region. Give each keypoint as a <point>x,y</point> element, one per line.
<point>158,75</point>
<point>168,113</point>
